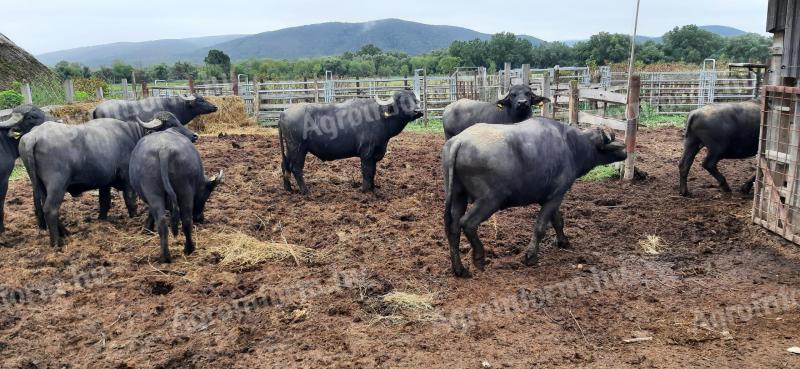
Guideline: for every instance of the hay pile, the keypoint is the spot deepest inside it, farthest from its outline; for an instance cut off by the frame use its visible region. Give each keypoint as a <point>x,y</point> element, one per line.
<point>231,116</point>
<point>75,113</point>
<point>243,250</point>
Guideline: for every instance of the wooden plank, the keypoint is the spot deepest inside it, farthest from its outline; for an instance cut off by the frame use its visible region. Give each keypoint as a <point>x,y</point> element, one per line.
<point>775,199</point>
<point>632,115</point>
<point>602,95</point>
<point>573,102</point>
<point>584,117</point>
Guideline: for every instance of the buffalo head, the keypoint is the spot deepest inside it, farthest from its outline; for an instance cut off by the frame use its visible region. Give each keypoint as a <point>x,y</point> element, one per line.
<point>23,119</point>
<point>608,149</point>
<point>202,197</point>
<point>165,120</point>
<point>403,103</point>
<point>521,98</point>
<point>198,105</point>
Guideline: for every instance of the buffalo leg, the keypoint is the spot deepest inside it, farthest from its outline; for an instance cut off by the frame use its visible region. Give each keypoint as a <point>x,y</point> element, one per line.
<point>691,146</point>
<point>4,176</point>
<point>159,215</point>
<point>546,215</point>
<point>458,206</point>
<point>368,165</point>
<point>105,202</point>
<point>558,224</point>
<point>747,186</point>
<point>298,162</point>
<point>187,209</point>
<point>285,171</point>
<point>129,196</point>
<point>52,203</point>
<point>710,164</point>
<point>479,212</point>
<point>150,223</point>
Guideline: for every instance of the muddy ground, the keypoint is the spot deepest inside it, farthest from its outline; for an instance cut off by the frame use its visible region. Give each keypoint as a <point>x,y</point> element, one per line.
<point>105,302</point>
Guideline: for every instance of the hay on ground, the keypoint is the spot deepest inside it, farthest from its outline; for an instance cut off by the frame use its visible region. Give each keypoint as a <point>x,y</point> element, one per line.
<point>403,306</point>
<point>231,115</point>
<point>653,245</point>
<point>243,250</point>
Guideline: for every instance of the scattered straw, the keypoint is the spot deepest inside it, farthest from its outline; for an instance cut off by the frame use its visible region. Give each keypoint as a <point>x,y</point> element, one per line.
<point>398,306</point>
<point>230,116</point>
<point>241,249</point>
<point>653,245</point>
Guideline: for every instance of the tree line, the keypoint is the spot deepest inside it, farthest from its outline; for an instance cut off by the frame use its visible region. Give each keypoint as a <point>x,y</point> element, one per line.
<point>687,44</point>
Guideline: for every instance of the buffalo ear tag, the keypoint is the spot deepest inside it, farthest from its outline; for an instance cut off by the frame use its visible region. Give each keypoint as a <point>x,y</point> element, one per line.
<point>386,114</point>
<point>499,107</point>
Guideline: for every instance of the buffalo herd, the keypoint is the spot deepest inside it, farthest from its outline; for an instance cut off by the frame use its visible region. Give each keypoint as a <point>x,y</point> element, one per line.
<point>496,156</point>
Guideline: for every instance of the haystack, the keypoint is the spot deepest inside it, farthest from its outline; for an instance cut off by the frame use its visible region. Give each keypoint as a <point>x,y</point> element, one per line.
<point>231,116</point>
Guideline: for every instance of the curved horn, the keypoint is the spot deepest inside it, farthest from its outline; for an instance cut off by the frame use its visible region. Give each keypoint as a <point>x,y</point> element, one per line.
<point>188,98</point>
<point>153,124</point>
<point>219,178</point>
<point>382,102</point>
<point>12,121</point>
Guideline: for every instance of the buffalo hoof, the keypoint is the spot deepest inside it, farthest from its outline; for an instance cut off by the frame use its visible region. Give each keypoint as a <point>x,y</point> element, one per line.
<point>188,250</point>
<point>685,193</point>
<point>530,259</point>
<point>725,188</point>
<point>745,190</point>
<point>165,259</point>
<point>564,244</point>
<point>480,263</point>
<point>461,272</point>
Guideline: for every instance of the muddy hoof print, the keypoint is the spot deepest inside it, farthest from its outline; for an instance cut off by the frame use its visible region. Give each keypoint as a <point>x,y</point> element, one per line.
<point>159,288</point>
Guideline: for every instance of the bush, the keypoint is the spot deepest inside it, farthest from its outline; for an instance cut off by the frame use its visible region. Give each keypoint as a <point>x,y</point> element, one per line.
<point>10,99</point>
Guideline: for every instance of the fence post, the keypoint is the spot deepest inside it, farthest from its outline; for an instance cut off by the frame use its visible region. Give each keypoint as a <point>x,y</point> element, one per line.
<point>506,77</point>
<point>256,98</point>
<point>99,93</point>
<point>425,95</point>
<point>548,93</point>
<point>632,114</point>
<point>234,83</point>
<point>526,74</point>
<point>125,92</point>
<point>69,91</point>
<point>316,90</point>
<point>573,102</point>
<point>26,93</point>
<point>145,91</point>
<point>191,85</point>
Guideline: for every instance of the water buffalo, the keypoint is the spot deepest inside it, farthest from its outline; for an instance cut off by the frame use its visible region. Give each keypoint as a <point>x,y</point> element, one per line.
<point>357,128</point>
<point>513,108</point>
<point>728,131</point>
<point>23,118</point>
<point>185,108</point>
<point>167,173</point>
<point>501,166</point>
<point>64,158</point>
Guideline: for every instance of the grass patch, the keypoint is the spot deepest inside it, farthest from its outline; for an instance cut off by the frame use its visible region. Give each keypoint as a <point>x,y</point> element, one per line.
<point>601,173</point>
<point>243,250</point>
<point>18,172</point>
<point>434,126</point>
<point>653,245</point>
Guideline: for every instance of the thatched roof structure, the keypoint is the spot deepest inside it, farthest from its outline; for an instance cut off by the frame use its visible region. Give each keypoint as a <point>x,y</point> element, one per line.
<point>17,64</point>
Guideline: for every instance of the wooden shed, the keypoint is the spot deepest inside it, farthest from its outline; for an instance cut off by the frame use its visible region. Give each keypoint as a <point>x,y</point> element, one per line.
<point>776,204</point>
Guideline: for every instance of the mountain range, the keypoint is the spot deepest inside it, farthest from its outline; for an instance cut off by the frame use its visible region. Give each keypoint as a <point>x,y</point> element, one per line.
<point>307,41</point>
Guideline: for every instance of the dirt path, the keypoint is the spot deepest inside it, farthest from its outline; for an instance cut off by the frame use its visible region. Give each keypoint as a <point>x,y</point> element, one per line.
<point>104,302</point>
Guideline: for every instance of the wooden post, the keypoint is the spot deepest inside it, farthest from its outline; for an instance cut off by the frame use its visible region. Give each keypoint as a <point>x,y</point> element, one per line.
<point>547,108</point>
<point>632,114</point>
<point>234,83</point>
<point>133,81</point>
<point>256,98</point>
<point>425,96</point>
<point>191,85</point>
<point>125,93</point>
<point>69,91</point>
<point>316,90</point>
<point>145,91</point>
<point>555,81</point>
<point>573,102</point>
<point>526,74</point>
<point>26,93</point>
<point>99,93</point>
<point>506,78</point>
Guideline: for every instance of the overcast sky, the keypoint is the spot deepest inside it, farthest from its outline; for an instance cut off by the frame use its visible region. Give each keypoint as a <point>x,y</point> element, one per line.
<point>42,26</point>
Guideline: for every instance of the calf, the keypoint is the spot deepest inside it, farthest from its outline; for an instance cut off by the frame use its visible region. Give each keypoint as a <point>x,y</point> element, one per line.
<point>501,166</point>
<point>513,108</point>
<point>167,173</point>
<point>23,118</point>
<point>357,128</point>
<point>64,158</point>
<point>185,108</point>
<point>728,131</point>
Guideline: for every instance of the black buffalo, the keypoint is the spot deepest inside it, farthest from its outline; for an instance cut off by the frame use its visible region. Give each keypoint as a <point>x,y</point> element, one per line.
<point>501,166</point>
<point>23,118</point>
<point>728,131</point>
<point>357,128</point>
<point>185,108</point>
<point>513,108</point>
<point>167,173</point>
<point>64,158</point>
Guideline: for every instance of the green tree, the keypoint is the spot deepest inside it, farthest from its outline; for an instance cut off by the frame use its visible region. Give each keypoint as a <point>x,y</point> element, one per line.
<point>447,64</point>
<point>66,70</point>
<point>749,47</point>
<point>121,70</point>
<point>649,52</point>
<point>183,70</point>
<point>604,48</point>
<point>507,47</point>
<point>369,49</point>
<point>691,44</point>
<point>218,60</point>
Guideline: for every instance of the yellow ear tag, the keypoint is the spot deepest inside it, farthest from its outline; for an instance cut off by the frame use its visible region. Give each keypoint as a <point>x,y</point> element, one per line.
<point>17,135</point>
<point>541,104</point>
<point>386,114</point>
<point>499,107</point>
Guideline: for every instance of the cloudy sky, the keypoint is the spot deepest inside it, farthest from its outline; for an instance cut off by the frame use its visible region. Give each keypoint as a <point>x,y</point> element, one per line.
<point>42,26</point>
